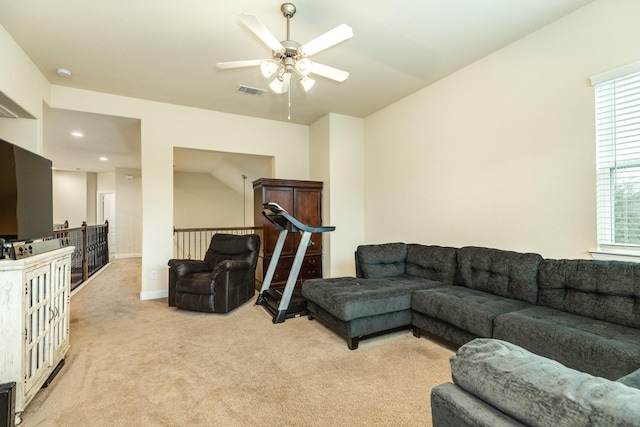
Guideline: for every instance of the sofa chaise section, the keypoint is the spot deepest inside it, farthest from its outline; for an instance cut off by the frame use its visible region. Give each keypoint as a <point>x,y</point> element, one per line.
<point>379,300</point>
<point>490,282</point>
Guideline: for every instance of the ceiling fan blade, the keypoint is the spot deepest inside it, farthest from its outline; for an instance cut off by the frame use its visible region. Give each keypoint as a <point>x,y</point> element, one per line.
<point>261,31</point>
<point>239,64</point>
<point>326,40</point>
<point>329,72</point>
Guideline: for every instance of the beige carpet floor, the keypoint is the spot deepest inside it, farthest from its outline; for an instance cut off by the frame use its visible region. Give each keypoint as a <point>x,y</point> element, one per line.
<point>142,363</point>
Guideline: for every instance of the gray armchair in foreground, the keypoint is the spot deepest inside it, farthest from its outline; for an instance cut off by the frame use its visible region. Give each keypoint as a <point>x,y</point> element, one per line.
<point>224,280</point>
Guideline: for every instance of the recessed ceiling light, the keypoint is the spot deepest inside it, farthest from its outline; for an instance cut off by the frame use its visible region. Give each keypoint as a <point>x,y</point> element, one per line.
<point>104,159</point>
<point>77,134</point>
<point>63,72</point>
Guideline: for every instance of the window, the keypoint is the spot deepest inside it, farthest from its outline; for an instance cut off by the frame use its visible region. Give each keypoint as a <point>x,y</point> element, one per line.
<point>617,96</point>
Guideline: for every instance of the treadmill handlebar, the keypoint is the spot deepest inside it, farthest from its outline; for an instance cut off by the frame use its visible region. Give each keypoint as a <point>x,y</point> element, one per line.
<point>279,216</point>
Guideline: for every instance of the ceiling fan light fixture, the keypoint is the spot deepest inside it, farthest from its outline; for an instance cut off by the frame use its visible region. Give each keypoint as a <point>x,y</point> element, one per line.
<point>303,66</point>
<point>268,68</point>
<point>280,84</point>
<point>307,83</point>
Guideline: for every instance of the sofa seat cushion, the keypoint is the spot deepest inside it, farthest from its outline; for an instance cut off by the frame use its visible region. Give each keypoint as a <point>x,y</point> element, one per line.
<point>197,283</point>
<point>349,298</point>
<point>594,346</point>
<point>539,391</point>
<point>464,308</point>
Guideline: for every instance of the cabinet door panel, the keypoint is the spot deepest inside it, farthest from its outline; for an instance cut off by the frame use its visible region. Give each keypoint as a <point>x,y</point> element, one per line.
<point>60,305</point>
<point>284,197</point>
<point>307,211</point>
<point>38,314</point>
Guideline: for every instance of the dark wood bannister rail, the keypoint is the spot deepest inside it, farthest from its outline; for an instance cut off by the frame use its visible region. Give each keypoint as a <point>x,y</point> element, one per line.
<point>192,243</point>
<point>91,249</point>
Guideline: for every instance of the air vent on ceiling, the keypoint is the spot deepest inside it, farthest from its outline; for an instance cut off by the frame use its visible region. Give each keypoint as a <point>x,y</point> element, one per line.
<point>251,90</point>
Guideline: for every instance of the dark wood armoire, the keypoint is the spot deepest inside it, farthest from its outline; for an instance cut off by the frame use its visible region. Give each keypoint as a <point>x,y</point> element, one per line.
<point>303,200</point>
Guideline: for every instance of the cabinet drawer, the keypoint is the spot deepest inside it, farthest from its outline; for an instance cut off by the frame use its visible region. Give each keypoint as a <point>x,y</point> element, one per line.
<point>312,261</point>
<point>311,268</point>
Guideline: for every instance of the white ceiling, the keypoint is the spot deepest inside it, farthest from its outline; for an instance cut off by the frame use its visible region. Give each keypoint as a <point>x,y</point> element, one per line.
<point>117,139</point>
<point>166,50</point>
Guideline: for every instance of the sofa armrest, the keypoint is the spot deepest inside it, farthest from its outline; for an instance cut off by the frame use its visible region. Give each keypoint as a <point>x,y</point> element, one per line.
<point>230,265</point>
<point>234,284</point>
<point>452,406</point>
<point>536,390</point>
<point>184,267</point>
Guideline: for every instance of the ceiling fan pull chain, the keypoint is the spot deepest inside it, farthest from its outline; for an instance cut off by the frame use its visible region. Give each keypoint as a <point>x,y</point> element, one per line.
<point>289,106</point>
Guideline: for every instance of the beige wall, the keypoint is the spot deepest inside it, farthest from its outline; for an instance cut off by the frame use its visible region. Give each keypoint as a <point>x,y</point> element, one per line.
<point>74,197</point>
<point>107,182</point>
<point>502,153</point>
<point>92,202</point>
<point>336,145</point>
<point>21,132</point>
<point>197,201</point>
<point>128,225</point>
<point>69,197</point>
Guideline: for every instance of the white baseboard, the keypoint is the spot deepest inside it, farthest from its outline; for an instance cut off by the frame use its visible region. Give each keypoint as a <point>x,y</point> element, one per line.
<point>154,294</point>
<point>117,256</point>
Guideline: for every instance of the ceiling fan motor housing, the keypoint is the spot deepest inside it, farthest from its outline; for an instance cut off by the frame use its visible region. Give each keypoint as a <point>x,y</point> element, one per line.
<point>291,48</point>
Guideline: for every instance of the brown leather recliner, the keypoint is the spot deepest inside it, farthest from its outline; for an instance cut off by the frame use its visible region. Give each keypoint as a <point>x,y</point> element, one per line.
<point>224,280</point>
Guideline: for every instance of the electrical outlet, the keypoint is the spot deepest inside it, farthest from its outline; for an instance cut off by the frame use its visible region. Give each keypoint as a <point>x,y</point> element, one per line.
<point>154,274</point>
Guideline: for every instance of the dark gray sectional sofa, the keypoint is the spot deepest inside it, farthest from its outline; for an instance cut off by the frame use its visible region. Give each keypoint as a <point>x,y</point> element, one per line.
<point>583,313</point>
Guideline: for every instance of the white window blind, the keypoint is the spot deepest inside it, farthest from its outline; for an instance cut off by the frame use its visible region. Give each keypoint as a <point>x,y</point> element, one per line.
<point>618,157</point>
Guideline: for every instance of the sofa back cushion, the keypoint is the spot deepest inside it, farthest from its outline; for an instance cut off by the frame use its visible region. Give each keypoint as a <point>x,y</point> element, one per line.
<point>539,391</point>
<point>604,290</point>
<point>432,262</point>
<point>233,247</point>
<point>382,260</point>
<point>631,380</point>
<point>503,273</point>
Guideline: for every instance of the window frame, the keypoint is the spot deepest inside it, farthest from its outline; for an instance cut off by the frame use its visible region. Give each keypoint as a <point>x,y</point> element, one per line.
<point>607,171</point>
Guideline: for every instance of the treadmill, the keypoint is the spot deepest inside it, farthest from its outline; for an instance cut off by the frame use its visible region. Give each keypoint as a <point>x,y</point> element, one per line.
<point>286,303</point>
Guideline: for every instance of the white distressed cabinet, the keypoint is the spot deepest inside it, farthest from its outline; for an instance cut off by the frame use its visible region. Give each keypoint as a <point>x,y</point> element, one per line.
<point>34,320</point>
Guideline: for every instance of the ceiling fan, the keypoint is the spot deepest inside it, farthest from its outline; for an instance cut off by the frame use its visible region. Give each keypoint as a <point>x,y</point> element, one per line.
<point>290,58</point>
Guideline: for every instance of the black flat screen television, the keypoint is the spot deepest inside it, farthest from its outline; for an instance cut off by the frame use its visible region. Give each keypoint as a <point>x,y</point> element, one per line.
<point>26,194</point>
